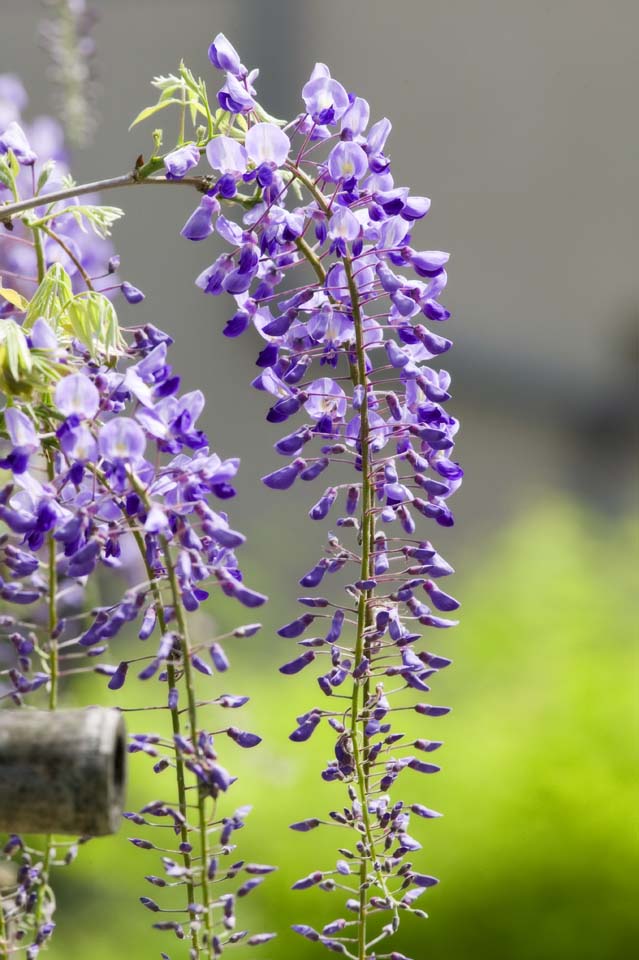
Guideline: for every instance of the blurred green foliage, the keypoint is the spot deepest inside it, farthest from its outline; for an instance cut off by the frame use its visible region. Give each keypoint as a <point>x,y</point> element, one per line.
<point>536,851</point>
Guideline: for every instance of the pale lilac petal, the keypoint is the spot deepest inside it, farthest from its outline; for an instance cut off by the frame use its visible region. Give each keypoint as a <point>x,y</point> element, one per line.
<point>77,395</point>
<point>21,430</point>
<point>122,440</point>
<point>227,155</point>
<point>267,143</point>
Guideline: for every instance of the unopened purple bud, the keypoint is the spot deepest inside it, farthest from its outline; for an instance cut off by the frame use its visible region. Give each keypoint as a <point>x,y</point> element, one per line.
<point>131,294</point>
<point>322,508</point>
<point>425,812</point>
<point>199,226</point>
<point>142,844</point>
<point>440,599</point>
<point>259,938</point>
<point>305,931</point>
<point>423,880</point>
<point>425,709</point>
<point>298,664</point>
<point>335,631</point>
<point>117,680</point>
<point>247,631</point>
<point>307,726</point>
<point>310,881</point>
<point>314,576</point>
<point>313,601</point>
<point>334,945</point>
<point>149,904</point>
<point>352,499</point>
<point>242,738</point>
<point>285,477</point>
<point>259,869</point>
<point>232,702</point>
<point>303,826</point>
<point>249,885</point>
<point>314,470</point>
<point>156,881</point>
<point>296,627</point>
<point>420,767</point>
<point>219,658</point>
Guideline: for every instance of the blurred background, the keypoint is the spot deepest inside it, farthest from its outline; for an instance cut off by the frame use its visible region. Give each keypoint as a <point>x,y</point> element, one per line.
<point>519,121</point>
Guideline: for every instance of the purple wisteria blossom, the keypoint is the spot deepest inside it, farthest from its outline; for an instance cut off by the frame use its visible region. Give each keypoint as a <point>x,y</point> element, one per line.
<point>180,161</point>
<point>323,265</point>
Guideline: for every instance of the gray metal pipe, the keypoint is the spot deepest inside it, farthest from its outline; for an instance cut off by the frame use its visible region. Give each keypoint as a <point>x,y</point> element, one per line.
<point>62,771</point>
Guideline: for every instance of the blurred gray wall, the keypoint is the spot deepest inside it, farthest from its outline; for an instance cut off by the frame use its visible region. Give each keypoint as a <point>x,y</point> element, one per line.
<point>518,119</point>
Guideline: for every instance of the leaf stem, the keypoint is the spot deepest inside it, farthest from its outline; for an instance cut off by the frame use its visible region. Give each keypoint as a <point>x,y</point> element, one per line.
<point>70,254</point>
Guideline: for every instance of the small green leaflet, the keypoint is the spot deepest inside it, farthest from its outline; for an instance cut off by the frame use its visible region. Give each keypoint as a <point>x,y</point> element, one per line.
<point>99,217</point>
<point>52,295</point>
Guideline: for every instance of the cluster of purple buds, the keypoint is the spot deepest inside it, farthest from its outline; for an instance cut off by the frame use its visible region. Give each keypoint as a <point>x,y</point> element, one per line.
<point>322,263</point>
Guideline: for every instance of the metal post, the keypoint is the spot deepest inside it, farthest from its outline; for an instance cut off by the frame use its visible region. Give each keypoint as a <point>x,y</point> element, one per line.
<point>62,772</point>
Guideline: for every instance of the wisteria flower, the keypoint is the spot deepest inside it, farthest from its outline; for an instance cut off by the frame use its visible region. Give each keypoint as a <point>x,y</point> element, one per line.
<point>326,100</point>
<point>180,161</point>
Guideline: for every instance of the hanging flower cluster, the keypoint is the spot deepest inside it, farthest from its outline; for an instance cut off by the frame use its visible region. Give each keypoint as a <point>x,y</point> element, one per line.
<point>320,194</point>
<point>103,460</point>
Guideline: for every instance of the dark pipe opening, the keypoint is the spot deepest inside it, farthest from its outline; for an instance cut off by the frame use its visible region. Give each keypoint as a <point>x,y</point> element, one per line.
<point>119,765</point>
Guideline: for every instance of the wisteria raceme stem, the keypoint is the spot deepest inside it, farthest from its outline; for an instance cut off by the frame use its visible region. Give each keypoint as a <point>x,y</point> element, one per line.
<point>358,719</point>
<point>360,756</point>
<point>52,651</point>
<point>177,731</point>
<point>192,707</point>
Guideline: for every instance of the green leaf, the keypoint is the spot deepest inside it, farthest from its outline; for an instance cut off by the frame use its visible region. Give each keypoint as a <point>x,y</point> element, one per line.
<point>45,173</point>
<point>100,218</point>
<point>6,176</point>
<point>15,299</point>
<point>15,356</point>
<point>168,92</point>
<point>14,166</point>
<point>164,83</point>
<point>150,111</point>
<point>266,117</point>
<point>52,295</point>
<point>91,318</point>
